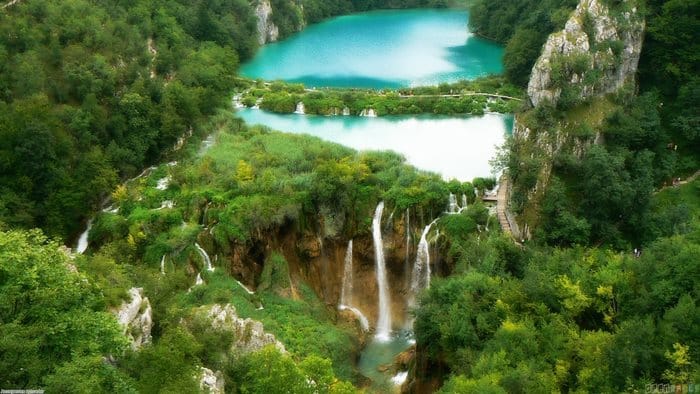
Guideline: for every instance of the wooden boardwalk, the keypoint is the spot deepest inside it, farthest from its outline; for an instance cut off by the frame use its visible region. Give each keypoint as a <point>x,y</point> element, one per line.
<point>502,205</point>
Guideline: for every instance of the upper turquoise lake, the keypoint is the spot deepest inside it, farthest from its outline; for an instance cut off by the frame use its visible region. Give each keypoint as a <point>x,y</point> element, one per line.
<point>380,49</point>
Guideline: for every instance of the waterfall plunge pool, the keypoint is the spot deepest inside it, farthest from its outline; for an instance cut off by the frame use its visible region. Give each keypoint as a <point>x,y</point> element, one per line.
<point>379,355</point>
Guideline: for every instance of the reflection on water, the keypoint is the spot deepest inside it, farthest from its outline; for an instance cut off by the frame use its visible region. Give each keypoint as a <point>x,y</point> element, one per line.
<point>455,147</point>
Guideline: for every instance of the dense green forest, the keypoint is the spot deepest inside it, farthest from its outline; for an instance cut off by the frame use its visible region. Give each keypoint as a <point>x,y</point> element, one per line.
<point>585,320</point>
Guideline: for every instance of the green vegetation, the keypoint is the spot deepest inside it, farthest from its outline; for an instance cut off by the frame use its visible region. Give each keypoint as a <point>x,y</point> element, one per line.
<point>466,97</point>
<point>52,321</point>
<point>83,103</point>
<point>538,318</point>
<point>523,26</point>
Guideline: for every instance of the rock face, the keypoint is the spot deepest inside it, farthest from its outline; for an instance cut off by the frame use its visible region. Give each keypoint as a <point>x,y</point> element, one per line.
<point>212,382</point>
<point>267,30</point>
<point>248,335</point>
<point>136,319</point>
<point>597,52</point>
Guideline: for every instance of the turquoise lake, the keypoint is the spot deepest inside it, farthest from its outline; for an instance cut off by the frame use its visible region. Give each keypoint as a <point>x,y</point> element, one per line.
<point>455,147</point>
<point>381,49</point>
<point>398,48</point>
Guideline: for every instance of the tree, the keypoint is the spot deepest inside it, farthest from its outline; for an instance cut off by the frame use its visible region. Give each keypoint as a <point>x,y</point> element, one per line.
<point>52,317</point>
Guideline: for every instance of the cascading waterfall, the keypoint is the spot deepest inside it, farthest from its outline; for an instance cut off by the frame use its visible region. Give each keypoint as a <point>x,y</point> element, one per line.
<point>384,321</point>
<point>83,240</point>
<point>162,265</point>
<point>464,201</point>
<point>420,278</point>
<point>247,290</point>
<point>300,109</point>
<point>453,207</point>
<point>205,256</point>
<point>346,291</point>
<point>199,280</point>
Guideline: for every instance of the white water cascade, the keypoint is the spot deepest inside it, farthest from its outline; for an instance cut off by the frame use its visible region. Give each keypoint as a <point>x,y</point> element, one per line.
<point>464,201</point>
<point>162,265</point>
<point>453,207</point>
<point>205,256</point>
<point>346,291</point>
<point>384,321</point>
<point>300,109</point>
<point>369,112</point>
<point>199,280</point>
<point>83,240</point>
<point>420,277</point>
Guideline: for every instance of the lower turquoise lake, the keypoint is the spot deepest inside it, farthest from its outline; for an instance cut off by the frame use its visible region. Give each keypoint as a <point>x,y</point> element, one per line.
<point>455,147</point>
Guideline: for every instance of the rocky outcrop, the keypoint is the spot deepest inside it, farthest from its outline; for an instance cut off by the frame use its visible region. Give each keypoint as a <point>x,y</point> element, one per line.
<point>596,53</point>
<point>136,318</point>
<point>211,382</point>
<point>248,335</point>
<point>267,30</point>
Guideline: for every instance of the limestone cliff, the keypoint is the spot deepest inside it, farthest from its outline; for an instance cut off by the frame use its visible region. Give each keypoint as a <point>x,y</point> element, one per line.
<point>211,382</point>
<point>136,319</point>
<point>248,335</point>
<point>267,30</point>
<point>596,53</point>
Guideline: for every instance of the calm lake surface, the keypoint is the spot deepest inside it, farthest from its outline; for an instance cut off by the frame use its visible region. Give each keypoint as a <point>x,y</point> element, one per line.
<point>380,49</point>
<point>455,147</point>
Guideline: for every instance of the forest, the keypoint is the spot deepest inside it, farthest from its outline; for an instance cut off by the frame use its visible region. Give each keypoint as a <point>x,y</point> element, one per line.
<point>603,298</point>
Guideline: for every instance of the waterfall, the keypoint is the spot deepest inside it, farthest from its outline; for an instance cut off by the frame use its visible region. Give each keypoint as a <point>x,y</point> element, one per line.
<point>162,265</point>
<point>205,256</point>
<point>300,110</point>
<point>369,112</point>
<point>199,280</point>
<point>453,204</point>
<point>464,201</point>
<point>420,278</point>
<point>346,111</point>
<point>399,378</point>
<point>247,290</point>
<point>83,240</point>
<point>346,291</point>
<point>360,316</point>
<point>384,321</point>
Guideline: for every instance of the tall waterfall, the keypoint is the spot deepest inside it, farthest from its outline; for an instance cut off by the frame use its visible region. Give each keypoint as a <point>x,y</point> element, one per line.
<point>384,321</point>
<point>346,291</point>
<point>205,256</point>
<point>162,265</point>
<point>300,109</point>
<point>464,201</point>
<point>420,278</point>
<point>453,207</point>
<point>83,240</point>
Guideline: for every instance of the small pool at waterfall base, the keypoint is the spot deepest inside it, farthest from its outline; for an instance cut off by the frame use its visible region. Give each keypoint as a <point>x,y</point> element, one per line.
<point>377,362</point>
